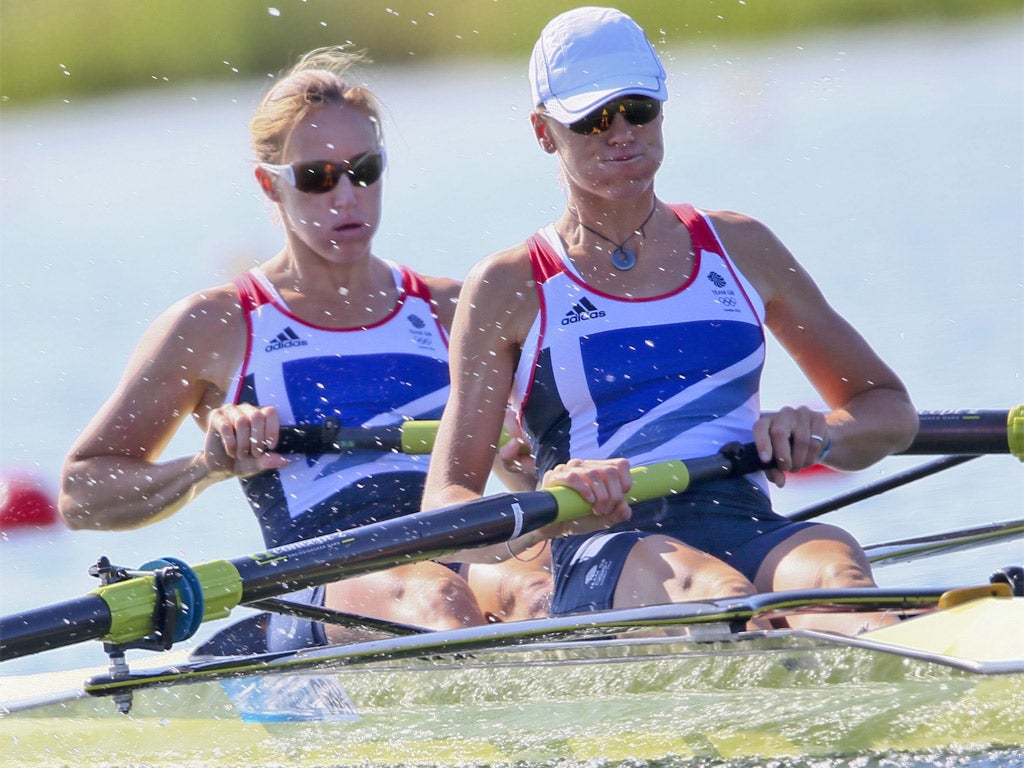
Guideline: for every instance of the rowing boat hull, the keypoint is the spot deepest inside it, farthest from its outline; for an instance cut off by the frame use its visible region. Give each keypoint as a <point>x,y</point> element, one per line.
<point>567,730</point>
<point>622,698</point>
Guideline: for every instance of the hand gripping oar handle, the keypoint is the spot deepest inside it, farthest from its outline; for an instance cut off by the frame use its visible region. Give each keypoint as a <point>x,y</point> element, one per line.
<point>941,432</point>
<point>123,612</point>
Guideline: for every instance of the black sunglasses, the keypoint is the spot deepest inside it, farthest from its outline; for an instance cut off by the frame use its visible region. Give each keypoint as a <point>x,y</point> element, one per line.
<point>320,176</point>
<point>638,110</point>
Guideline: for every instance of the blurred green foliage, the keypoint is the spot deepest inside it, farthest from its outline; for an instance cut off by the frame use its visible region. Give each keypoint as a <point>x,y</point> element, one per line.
<point>56,49</point>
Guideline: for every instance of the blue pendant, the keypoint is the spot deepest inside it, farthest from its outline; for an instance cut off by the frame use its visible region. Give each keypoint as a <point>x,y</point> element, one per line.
<point>623,259</point>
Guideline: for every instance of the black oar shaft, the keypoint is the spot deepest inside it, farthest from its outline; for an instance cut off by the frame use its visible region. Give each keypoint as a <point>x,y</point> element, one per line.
<point>54,626</point>
<point>414,437</point>
<point>228,583</point>
<point>488,520</point>
<point>123,609</point>
<point>961,432</point>
<point>407,539</point>
<point>940,432</point>
<point>874,489</point>
<point>328,437</point>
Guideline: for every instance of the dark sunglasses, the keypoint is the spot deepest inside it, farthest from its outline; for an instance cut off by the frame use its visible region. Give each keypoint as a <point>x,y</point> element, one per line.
<point>323,175</point>
<point>638,110</point>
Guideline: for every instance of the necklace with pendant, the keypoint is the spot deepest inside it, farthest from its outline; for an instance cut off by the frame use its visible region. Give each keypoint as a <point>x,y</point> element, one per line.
<point>623,258</point>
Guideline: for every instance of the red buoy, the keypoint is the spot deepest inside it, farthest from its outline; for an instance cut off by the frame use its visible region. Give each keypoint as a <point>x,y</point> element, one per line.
<point>25,501</point>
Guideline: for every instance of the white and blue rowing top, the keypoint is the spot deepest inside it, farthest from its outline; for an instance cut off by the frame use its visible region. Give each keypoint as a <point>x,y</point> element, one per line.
<point>376,375</point>
<point>667,377</point>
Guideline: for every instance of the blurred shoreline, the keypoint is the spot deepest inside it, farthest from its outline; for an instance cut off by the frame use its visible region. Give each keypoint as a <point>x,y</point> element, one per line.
<point>54,50</point>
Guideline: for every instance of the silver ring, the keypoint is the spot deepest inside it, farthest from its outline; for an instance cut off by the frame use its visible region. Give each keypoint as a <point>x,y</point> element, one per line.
<point>819,438</point>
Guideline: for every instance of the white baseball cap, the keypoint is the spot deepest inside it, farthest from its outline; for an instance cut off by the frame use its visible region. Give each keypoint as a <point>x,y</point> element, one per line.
<point>586,57</point>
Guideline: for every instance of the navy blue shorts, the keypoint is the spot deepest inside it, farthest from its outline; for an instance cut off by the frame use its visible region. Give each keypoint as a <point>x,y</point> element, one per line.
<point>729,519</point>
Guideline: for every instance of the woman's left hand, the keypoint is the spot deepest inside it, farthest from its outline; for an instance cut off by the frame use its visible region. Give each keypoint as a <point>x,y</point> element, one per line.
<point>795,437</point>
<point>514,453</point>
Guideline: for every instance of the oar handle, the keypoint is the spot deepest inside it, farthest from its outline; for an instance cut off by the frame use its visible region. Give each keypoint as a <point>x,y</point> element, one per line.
<point>940,433</point>
<point>328,436</point>
<point>669,478</point>
<point>970,432</point>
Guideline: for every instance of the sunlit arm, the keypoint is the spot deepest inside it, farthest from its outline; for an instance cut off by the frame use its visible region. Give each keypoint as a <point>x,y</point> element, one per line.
<point>113,477</point>
<point>120,493</point>
<point>484,345</point>
<point>871,414</point>
<point>486,337</point>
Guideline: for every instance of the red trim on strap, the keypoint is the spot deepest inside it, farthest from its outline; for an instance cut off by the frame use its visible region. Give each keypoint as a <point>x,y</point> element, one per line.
<point>700,231</point>
<point>704,239</point>
<point>414,284</point>
<point>251,293</point>
<point>543,259</point>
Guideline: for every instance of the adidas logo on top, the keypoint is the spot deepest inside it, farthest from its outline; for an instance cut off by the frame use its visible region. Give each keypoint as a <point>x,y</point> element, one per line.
<point>583,309</point>
<point>285,339</point>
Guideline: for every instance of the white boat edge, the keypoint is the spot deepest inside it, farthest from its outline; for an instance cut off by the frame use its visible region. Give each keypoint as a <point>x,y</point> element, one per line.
<point>982,636</point>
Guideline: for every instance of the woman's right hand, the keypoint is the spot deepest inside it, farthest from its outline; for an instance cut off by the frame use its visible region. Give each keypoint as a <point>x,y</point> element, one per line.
<point>240,440</point>
<point>603,483</point>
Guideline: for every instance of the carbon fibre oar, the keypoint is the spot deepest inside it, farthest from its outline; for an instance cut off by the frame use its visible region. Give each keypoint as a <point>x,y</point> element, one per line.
<point>941,432</point>
<point>905,550</point>
<point>130,610</point>
<point>174,599</point>
<point>734,612</point>
<point>416,437</point>
<point>879,487</point>
<point>970,432</point>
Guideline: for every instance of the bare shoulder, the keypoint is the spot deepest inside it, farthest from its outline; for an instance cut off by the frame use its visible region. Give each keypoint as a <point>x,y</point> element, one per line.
<point>744,235</point>
<point>506,273</point>
<point>203,333</point>
<point>756,250</point>
<point>206,310</point>
<point>501,288</point>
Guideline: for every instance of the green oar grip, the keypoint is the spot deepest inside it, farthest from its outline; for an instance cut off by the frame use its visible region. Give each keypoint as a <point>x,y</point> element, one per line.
<point>418,436</point>
<point>1015,431</point>
<point>222,588</point>
<point>652,482</point>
